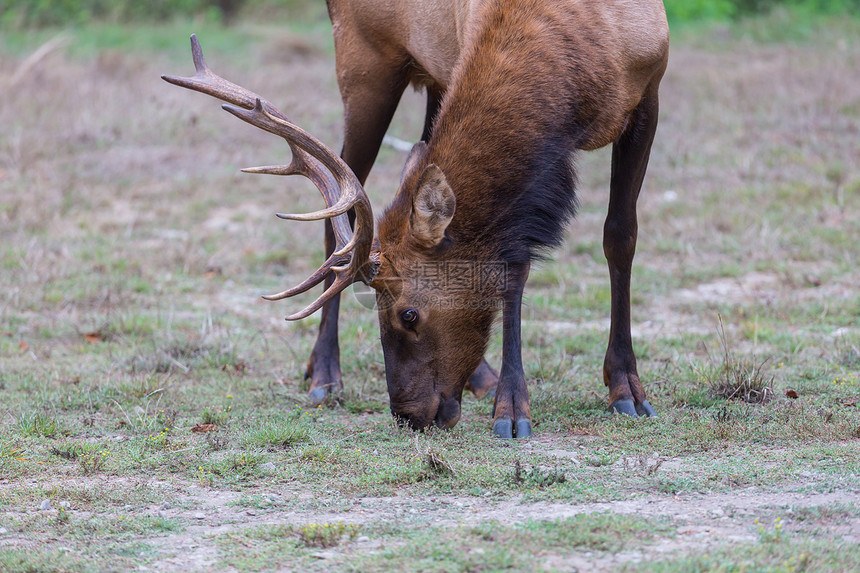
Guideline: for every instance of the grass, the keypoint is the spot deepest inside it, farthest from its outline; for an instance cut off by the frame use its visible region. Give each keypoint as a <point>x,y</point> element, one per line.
<point>496,546</point>
<point>133,260</point>
<point>805,554</point>
<point>281,433</point>
<point>738,379</point>
<point>38,424</point>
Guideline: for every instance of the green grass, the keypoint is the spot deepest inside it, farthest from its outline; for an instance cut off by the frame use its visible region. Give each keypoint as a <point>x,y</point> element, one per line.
<point>38,424</point>
<point>281,433</point>
<point>786,556</point>
<point>495,546</point>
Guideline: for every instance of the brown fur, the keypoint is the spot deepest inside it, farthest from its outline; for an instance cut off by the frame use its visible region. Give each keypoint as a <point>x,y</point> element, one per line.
<point>526,83</point>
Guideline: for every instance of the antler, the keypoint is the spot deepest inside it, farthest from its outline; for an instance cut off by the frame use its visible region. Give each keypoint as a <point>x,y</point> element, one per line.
<point>351,260</point>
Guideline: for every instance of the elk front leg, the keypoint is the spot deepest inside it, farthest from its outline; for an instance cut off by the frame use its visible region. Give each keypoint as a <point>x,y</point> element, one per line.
<point>629,162</point>
<point>511,412</point>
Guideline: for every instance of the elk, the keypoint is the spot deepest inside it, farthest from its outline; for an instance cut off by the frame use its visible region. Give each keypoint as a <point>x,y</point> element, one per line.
<point>514,88</point>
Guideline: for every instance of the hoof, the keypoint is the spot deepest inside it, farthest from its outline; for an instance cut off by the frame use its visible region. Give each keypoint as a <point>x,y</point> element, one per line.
<point>625,407</point>
<point>503,428</point>
<point>320,395</point>
<point>524,428</point>
<point>644,409</point>
<point>317,396</point>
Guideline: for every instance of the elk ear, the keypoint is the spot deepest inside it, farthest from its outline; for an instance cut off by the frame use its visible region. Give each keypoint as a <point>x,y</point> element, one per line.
<point>432,207</point>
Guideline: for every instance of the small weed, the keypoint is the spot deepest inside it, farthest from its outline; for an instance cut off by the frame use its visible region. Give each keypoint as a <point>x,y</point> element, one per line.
<point>673,486</point>
<point>217,416</point>
<point>836,511</point>
<point>774,535</point>
<point>536,476</point>
<point>738,379</point>
<point>723,415</point>
<point>240,367</point>
<point>63,516</point>
<point>437,464</point>
<point>484,531</point>
<point>434,461</point>
<point>9,450</point>
<point>278,433</point>
<point>601,459</point>
<point>92,462</point>
<point>849,382</point>
<point>644,464</point>
<point>204,476</point>
<point>237,466</point>
<point>143,386</point>
<point>363,406</point>
<point>140,420</point>
<point>847,351</point>
<point>597,531</point>
<point>257,501</point>
<point>243,461</point>
<point>323,454</point>
<point>216,442</point>
<point>187,355</point>
<point>166,419</point>
<point>38,424</point>
<point>68,452</point>
<point>159,441</point>
<point>327,534</point>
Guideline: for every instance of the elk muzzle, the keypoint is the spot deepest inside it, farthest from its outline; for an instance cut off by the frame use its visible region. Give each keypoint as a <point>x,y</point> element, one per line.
<point>440,412</point>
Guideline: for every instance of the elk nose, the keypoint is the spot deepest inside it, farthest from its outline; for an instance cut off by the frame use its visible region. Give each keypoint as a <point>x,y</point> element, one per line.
<point>407,419</point>
<point>448,414</point>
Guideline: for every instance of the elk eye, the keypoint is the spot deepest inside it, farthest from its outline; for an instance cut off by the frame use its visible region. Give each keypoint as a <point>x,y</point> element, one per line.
<point>409,317</point>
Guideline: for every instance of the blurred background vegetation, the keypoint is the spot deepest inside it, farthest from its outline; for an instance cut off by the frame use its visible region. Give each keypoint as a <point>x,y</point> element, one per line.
<point>18,14</point>
<point>680,11</point>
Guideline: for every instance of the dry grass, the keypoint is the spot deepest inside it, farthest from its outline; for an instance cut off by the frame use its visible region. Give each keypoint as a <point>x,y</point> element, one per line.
<point>736,378</point>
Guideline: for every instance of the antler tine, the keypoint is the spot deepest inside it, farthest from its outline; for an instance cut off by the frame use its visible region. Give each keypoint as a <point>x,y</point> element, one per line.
<point>351,260</point>
<point>307,153</point>
<point>341,282</point>
<point>309,148</point>
<point>319,275</point>
<point>327,185</point>
<point>207,82</point>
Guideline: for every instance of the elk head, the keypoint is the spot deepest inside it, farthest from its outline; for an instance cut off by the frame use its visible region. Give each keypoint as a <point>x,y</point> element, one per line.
<point>436,307</point>
<point>436,304</point>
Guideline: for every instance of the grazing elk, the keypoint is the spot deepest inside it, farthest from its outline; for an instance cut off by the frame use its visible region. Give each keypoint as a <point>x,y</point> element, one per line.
<point>514,87</point>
